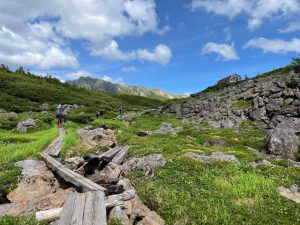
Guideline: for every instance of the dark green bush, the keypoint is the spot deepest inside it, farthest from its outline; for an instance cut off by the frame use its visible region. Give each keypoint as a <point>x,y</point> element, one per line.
<point>80,117</point>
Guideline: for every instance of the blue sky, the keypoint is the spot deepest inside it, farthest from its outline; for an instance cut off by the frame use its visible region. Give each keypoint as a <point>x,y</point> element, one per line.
<point>181,46</point>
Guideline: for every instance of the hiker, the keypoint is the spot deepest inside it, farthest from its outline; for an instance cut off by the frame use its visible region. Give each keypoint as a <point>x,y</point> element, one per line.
<point>58,115</point>
<point>98,114</point>
<point>122,110</point>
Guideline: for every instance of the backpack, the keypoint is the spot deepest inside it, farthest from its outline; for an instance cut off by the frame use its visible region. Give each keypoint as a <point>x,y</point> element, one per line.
<point>58,112</point>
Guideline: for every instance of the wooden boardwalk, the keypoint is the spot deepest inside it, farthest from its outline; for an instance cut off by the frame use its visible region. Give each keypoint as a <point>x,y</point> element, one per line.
<point>87,208</point>
<point>54,148</point>
<point>84,209</point>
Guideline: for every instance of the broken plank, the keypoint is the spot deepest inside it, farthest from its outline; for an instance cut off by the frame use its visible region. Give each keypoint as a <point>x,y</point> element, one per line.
<point>70,176</point>
<point>89,212</point>
<point>119,158</point>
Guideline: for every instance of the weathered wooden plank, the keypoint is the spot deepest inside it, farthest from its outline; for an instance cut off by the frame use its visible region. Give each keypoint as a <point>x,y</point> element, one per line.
<point>119,158</point>
<point>55,147</point>
<point>67,210</point>
<point>110,153</point>
<point>88,215</point>
<point>100,209</point>
<point>78,210</point>
<point>70,176</point>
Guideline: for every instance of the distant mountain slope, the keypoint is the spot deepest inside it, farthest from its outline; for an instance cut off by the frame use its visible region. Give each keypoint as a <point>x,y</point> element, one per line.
<point>102,85</point>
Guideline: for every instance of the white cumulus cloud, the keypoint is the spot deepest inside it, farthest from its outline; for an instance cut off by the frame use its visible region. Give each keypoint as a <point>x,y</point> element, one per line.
<point>34,32</point>
<point>161,54</point>
<point>256,10</point>
<point>277,46</point>
<point>225,52</point>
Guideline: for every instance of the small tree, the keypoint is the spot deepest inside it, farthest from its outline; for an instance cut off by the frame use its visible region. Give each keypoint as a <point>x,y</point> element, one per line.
<point>246,77</point>
<point>296,61</point>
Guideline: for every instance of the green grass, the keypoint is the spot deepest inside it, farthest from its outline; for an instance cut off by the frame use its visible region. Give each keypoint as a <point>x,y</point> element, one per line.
<point>20,220</point>
<point>20,93</point>
<point>8,179</point>
<point>18,151</point>
<point>185,191</point>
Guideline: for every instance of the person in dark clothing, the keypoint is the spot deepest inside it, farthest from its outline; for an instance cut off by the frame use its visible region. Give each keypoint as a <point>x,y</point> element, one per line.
<point>122,110</point>
<point>98,114</point>
<point>59,115</point>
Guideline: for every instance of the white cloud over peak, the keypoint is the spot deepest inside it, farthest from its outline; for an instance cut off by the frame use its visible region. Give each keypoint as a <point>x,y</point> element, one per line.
<point>79,73</point>
<point>84,73</point>
<point>257,10</point>
<point>277,46</point>
<point>225,52</point>
<point>33,31</point>
<point>161,54</point>
<point>129,69</point>
<point>118,80</point>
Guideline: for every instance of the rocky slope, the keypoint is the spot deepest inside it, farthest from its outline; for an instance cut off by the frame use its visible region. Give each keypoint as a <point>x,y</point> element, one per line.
<point>272,101</point>
<point>102,85</point>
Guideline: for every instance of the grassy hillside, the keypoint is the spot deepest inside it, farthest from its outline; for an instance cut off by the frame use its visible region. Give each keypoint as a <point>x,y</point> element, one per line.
<point>20,92</point>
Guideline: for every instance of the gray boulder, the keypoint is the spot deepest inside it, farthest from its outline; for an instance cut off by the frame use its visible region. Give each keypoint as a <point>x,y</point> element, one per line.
<point>165,128</point>
<point>292,124</point>
<point>282,142</point>
<point>258,113</point>
<point>25,125</point>
<point>215,156</point>
<point>146,163</point>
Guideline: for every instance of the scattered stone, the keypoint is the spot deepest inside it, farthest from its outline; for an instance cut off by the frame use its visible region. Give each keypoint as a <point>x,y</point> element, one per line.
<point>291,124</point>
<point>4,114</point>
<point>165,128</point>
<point>129,116</point>
<point>119,214</point>
<point>152,218</point>
<point>67,107</point>
<point>258,113</point>
<point>45,106</point>
<point>216,142</point>
<point>146,163</point>
<point>25,125</point>
<point>282,142</point>
<point>291,193</point>
<point>264,163</point>
<point>75,161</point>
<point>215,156</point>
<point>92,137</point>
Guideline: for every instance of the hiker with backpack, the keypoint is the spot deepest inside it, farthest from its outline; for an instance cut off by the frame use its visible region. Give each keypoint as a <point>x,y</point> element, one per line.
<point>59,115</point>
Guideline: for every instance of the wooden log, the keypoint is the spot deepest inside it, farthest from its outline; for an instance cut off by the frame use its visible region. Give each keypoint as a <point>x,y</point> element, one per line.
<point>70,176</point>
<point>114,200</point>
<point>49,215</point>
<point>119,158</point>
<point>95,160</point>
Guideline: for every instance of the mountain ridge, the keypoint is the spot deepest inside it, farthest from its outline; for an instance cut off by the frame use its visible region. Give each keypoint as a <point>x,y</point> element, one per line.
<point>109,87</point>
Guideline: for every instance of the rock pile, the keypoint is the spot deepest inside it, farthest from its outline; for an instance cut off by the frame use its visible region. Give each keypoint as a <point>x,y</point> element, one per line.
<point>67,107</point>
<point>91,137</point>
<point>269,101</point>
